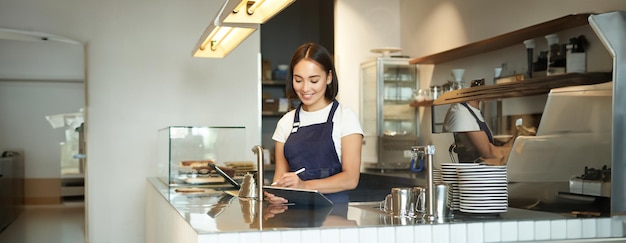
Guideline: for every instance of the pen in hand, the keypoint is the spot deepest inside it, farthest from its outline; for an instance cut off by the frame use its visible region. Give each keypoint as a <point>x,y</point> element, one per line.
<point>296,172</point>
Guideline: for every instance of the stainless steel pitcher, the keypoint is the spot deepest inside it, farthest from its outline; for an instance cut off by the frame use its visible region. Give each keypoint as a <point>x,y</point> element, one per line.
<point>420,199</point>
<point>402,202</point>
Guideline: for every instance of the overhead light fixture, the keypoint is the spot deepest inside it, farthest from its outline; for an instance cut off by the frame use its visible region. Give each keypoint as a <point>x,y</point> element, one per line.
<point>219,40</point>
<point>255,12</point>
<point>235,21</point>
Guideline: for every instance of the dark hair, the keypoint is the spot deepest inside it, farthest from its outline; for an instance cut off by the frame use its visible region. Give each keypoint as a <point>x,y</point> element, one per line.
<point>319,54</point>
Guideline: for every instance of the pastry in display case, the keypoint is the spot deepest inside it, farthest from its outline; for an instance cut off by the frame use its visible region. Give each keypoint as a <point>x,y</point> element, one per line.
<point>193,157</point>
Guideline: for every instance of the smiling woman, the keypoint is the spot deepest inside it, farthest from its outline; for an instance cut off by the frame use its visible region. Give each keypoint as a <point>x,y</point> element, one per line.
<point>320,135</point>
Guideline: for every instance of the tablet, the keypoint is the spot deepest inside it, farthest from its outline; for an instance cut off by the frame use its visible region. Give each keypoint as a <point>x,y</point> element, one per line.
<point>296,217</point>
<point>226,176</point>
<point>300,197</point>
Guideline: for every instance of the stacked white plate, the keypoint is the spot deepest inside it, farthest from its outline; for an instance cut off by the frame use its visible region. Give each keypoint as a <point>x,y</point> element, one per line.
<point>449,175</point>
<point>437,176</point>
<point>483,189</point>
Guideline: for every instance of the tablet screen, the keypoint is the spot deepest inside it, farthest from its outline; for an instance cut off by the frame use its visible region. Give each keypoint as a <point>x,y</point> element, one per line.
<point>296,217</point>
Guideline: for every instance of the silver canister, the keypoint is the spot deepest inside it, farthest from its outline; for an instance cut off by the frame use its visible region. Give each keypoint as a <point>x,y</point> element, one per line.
<point>442,200</point>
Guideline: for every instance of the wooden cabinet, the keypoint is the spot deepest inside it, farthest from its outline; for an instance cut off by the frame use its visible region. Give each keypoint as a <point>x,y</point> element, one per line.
<point>273,91</point>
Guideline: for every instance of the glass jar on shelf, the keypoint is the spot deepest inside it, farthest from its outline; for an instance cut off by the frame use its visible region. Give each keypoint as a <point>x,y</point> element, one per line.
<point>422,95</point>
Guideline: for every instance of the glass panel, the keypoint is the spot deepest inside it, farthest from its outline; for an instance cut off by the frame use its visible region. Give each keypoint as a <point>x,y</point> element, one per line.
<point>369,111</point>
<point>182,143</point>
<point>389,122</point>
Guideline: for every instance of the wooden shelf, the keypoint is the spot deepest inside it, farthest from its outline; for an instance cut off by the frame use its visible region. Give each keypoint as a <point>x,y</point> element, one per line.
<point>272,113</point>
<point>529,87</point>
<point>421,103</point>
<point>505,40</point>
<point>273,83</point>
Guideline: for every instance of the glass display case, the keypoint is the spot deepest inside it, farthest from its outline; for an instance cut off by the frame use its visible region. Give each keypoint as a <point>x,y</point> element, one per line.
<point>184,154</point>
<point>389,123</point>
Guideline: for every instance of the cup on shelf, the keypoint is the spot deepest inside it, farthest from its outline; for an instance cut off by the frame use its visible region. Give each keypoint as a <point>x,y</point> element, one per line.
<point>435,91</point>
<point>457,73</point>
<point>422,95</point>
<point>457,85</point>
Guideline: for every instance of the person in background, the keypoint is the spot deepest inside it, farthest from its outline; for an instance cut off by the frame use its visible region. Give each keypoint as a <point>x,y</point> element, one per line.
<point>473,139</point>
<point>320,135</point>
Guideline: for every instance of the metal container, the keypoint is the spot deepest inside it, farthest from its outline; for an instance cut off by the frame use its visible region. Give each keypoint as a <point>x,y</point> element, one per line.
<point>400,203</point>
<point>435,91</point>
<point>442,201</point>
<point>420,199</point>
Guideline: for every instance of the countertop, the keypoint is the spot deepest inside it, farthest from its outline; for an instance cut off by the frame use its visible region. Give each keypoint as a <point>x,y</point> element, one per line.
<point>215,211</point>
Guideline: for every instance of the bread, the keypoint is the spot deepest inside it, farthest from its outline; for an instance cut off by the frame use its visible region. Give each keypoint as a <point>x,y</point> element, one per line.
<point>195,163</point>
<point>189,190</point>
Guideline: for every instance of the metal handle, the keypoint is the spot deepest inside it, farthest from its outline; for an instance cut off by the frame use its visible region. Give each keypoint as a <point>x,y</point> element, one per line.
<point>429,150</point>
<point>258,150</point>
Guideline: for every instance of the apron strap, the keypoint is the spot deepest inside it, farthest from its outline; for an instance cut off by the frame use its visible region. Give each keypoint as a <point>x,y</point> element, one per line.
<point>332,111</point>
<point>296,117</point>
<point>481,124</point>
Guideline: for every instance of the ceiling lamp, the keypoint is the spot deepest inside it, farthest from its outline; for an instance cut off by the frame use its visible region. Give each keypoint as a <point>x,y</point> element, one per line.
<point>256,12</point>
<point>219,40</point>
<point>235,21</point>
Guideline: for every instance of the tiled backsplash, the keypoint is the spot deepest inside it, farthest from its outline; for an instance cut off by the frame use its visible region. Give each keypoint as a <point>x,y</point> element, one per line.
<point>505,231</point>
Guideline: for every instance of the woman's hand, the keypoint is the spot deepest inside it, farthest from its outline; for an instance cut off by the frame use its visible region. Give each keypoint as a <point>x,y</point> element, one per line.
<point>274,209</point>
<point>290,179</point>
<point>273,199</point>
<point>501,156</point>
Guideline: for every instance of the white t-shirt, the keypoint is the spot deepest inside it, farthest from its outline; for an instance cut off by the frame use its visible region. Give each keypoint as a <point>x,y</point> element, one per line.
<point>345,122</point>
<point>459,119</point>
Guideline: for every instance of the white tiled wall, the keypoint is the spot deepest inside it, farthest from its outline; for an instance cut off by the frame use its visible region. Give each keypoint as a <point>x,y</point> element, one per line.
<point>505,231</point>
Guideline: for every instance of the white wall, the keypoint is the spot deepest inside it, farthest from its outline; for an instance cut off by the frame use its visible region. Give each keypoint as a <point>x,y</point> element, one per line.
<point>360,26</point>
<point>54,59</point>
<point>141,77</point>
<point>431,26</point>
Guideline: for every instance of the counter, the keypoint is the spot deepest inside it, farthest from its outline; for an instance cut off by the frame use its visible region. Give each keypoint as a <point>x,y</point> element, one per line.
<point>215,216</point>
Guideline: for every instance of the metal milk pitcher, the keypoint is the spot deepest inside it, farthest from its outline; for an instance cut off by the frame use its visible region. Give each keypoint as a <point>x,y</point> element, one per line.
<point>420,199</point>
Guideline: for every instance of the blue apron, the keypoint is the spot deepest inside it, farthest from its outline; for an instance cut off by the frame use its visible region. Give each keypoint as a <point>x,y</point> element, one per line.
<point>312,147</point>
<point>469,154</point>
